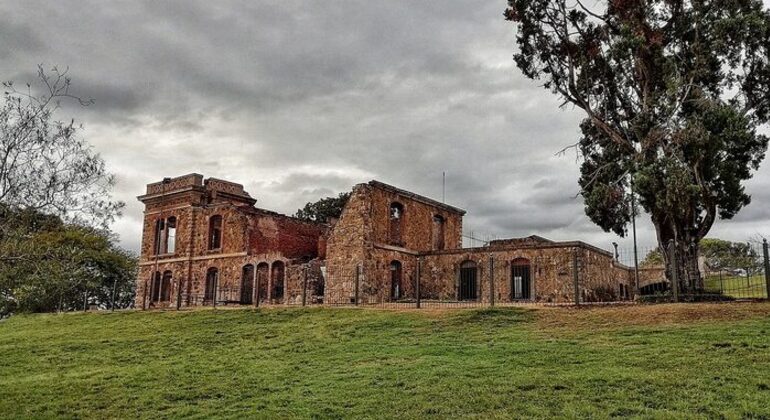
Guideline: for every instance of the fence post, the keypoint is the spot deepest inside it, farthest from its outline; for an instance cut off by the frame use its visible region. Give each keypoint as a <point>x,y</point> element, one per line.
<point>304,285</point>
<point>674,271</point>
<point>358,279</point>
<point>766,256</point>
<point>576,275</point>
<point>179,295</point>
<point>112,300</point>
<point>491,280</point>
<point>144,297</point>
<point>417,283</point>
<point>216,289</point>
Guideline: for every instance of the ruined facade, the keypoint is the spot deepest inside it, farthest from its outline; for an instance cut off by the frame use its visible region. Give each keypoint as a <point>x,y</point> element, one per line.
<point>206,242</point>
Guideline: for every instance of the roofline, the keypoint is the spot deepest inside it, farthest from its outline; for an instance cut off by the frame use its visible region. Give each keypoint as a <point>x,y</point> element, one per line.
<point>511,247</point>
<point>416,197</point>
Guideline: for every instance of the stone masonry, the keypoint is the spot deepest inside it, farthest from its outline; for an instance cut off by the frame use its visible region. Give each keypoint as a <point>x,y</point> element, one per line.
<point>206,242</point>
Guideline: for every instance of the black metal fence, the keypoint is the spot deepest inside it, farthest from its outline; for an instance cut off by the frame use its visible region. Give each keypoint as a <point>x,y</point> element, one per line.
<point>572,276</point>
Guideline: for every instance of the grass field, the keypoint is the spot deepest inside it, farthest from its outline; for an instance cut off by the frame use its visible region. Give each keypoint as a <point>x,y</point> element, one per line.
<point>737,286</point>
<point>704,360</point>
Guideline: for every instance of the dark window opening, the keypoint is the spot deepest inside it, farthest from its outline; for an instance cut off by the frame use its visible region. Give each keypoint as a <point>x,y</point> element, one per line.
<point>155,287</point>
<point>521,281</point>
<point>263,273</point>
<point>212,277</point>
<point>170,242</point>
<point>438,232</point>
<point>278,274</point>
<point>165,236</point>
<point>396,223</point>
<point>468,281</point>
<point>160,227</point>
<point>247,285</point>
<point>215,232</point>
<point>396,291</point>
<point>165,287</point>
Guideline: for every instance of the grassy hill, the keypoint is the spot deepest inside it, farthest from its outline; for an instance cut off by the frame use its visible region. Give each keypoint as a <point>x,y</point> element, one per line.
<point>650,361</point>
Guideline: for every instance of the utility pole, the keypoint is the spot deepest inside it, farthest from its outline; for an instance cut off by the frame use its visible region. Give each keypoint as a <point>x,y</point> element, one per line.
<point>636,251</point>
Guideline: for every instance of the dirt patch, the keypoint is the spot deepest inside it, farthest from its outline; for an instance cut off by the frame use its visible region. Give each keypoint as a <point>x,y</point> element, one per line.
<point>648,315</point>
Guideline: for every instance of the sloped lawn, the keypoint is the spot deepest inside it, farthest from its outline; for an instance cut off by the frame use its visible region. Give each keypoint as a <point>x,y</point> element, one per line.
<point>652,361</point>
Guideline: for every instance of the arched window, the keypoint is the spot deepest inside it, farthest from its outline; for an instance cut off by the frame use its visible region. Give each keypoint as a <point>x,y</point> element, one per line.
<point>396,273</point>
<point>468,281</point>
<point>215,232</point>
<point>247,285</point>
<point>165,287</point>
<point>278,273</point>
<point>521,279</point>
<point>396,223</point>
<point>155,287</point>
<point>438,232</point>
<point>212,278</point>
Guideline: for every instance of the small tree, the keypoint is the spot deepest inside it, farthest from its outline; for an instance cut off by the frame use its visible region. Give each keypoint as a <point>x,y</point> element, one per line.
<point>324,209</point>
<point>673,92</point>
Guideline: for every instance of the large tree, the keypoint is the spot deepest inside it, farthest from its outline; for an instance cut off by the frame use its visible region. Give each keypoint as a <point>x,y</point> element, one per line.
<point>673,91</point>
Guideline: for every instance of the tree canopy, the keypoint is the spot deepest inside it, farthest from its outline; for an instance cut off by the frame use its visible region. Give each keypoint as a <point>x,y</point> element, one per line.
<point>674,93</point>
<point>55,205</point>
<point>324,209</point>
<point>50,265</point>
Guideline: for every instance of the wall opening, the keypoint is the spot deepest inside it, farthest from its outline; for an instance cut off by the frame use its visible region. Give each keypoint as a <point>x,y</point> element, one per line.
<point>278,277</point>
<point>247,285</point>
<point>263,274</point>
<point>165,287</point>
<point>396,274</point>
<point>438,232</point>
<point>396,223</point>
<point>215,232</point>
<point>212,278</point>
<point>521,279</point>
<point>468,281</point>
<point>155,287</point>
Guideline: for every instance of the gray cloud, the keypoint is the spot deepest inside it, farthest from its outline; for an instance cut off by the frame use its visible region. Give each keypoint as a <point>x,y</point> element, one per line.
<point>300,100</point>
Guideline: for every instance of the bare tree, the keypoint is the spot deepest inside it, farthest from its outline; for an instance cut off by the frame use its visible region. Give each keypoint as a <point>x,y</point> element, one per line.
<point>44,165</point>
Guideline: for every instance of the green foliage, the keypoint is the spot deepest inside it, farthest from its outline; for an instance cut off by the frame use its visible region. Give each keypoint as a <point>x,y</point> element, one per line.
<point>48,265</point>
<point>721,255</point>
<point>653,259</point>
<point>674,94</point>
<point>323,210</point>
<point>348,363</point>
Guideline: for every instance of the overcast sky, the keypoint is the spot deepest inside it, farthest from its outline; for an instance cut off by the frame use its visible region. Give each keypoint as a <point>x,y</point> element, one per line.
<point>299,100</point>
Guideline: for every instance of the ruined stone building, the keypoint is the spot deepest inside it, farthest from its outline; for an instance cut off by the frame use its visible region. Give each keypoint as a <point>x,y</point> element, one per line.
<point>205,241</point>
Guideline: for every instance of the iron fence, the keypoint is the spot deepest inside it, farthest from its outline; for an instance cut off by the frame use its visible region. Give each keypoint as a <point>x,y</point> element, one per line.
<point>572,276</point>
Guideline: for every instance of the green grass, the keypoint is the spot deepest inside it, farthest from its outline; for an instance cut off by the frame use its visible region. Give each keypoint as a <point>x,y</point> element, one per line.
<point>738,286</point>
<point>331,363</point>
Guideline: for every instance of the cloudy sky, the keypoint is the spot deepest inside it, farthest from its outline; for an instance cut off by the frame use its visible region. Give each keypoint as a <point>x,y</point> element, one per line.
<point>299,100</point>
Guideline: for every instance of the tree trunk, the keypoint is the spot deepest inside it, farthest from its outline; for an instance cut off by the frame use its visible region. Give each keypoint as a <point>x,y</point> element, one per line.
<point>675,242</point>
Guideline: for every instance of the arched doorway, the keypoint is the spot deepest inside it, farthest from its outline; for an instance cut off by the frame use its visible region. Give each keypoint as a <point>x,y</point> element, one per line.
<point>209,293</point>
<point>247,285</point>
<point>521,279</point>
<point>165,287</point>
<point>278,274</point>
<point>263,273</point>
<point>468,281</point>
<point>396,290</point>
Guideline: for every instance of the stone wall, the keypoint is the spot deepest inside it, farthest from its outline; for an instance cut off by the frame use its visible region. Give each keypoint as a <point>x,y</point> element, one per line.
<point>248,236</point>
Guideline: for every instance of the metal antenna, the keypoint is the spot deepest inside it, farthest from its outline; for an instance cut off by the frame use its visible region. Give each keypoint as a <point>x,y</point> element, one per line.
<point>443,187</point>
